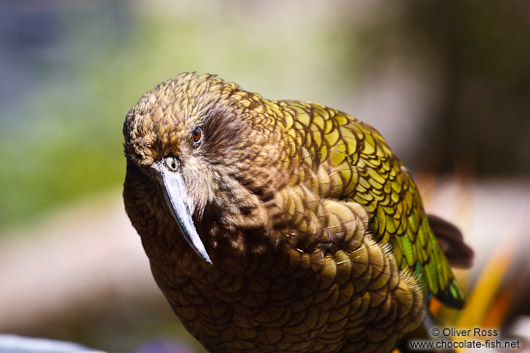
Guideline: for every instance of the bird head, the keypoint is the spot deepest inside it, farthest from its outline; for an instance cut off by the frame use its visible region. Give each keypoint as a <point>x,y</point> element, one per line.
<point>208,146</point>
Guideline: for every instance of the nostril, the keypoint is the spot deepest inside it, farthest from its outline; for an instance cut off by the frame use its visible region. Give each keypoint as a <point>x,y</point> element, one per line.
<point>172,163</point>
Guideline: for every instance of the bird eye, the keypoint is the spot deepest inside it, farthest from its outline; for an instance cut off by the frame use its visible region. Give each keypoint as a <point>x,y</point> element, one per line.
<point>196,134</point>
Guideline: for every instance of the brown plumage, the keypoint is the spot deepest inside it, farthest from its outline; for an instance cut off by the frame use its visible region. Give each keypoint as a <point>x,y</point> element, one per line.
<point>278,226</point>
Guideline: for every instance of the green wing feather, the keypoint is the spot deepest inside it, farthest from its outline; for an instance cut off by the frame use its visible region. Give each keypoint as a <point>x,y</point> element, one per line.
<point>375,178</point>
<point>397,215</point>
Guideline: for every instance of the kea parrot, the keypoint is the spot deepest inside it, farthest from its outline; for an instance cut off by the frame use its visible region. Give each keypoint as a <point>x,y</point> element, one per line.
<point>281,226</point>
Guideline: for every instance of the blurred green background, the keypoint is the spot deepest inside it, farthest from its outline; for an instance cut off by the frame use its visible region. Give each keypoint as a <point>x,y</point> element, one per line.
<point>447,83</point>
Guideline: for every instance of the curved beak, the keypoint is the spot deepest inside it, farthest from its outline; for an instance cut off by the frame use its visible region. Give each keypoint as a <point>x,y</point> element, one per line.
<point>174,190</point>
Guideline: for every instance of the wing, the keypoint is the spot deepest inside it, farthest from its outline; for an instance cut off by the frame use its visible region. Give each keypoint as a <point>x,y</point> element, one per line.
<point>363,169</point>
<point>387,191</point>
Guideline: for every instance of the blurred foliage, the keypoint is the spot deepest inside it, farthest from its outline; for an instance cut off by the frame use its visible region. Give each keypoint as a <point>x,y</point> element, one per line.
<point>60,140</point>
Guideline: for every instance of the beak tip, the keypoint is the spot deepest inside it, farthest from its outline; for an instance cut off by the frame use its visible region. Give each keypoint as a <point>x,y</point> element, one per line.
<point>204,256</point>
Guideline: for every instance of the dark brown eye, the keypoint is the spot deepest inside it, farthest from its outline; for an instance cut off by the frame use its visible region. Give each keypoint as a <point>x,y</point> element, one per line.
<point>196,134</point>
